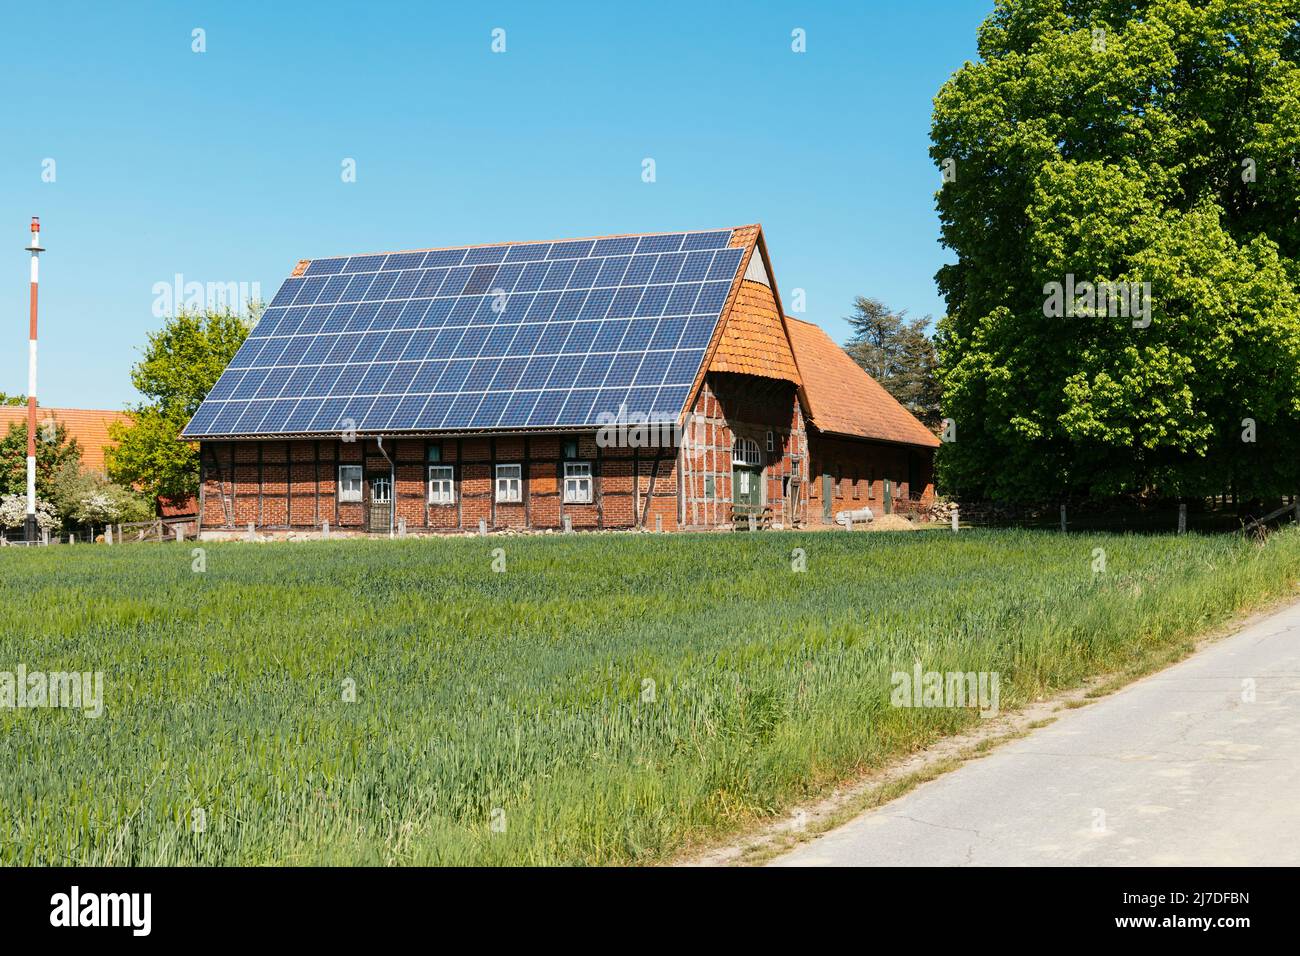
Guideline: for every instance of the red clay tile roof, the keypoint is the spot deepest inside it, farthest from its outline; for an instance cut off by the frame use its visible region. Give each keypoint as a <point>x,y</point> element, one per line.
<point>844,399</point>
<point>753,341</point>
<point>88,426</point>
<point>178,507</point>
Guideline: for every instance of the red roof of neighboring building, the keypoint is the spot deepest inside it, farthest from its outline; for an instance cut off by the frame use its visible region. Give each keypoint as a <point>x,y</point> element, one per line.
<point>844,399</point>
<point>89,426</point>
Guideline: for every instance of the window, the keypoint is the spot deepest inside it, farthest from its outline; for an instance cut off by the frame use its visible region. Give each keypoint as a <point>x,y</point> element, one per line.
<point>442,485</point>
<point>510,483</point>
<point>435,453</point>
<point>709,488</point>
<point>570,449</point>
<point>745,452</point>
<point>349,482</point>
<point>577,482</point>
<point>771,442</point>
<point>381,490</point>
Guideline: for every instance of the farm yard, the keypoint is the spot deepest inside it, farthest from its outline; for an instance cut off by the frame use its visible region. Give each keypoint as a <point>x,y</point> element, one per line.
<point>604,699</point>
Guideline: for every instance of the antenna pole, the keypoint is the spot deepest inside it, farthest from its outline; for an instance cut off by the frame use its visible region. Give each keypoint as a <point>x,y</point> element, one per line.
<point>29,526</point>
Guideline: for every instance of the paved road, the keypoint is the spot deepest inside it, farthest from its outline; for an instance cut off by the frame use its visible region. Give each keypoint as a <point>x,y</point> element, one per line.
<point>1176,769</point>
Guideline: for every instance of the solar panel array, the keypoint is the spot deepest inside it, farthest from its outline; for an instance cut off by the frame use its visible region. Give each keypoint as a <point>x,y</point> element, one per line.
<point>483,337</point>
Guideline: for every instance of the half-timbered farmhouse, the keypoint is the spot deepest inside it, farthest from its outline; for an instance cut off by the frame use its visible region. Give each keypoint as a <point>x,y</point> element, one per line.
<point>628,381</point>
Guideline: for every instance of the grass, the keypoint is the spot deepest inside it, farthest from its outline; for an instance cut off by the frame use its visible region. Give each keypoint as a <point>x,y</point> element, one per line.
<point>609,698</point>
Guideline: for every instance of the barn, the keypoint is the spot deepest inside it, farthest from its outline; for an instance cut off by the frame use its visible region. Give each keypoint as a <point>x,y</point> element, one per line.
<point>631,381</point>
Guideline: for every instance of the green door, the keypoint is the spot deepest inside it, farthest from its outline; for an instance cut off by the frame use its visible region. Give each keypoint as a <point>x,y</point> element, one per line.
<point>828,491</point>
<point>746,488</point>
<point>889,496</point>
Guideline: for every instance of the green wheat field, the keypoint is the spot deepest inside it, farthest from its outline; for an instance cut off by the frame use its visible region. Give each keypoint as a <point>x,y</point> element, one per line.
<point>606,699</point>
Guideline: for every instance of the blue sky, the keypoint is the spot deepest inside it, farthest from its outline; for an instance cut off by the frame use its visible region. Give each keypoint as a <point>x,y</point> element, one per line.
<point>225,166</point>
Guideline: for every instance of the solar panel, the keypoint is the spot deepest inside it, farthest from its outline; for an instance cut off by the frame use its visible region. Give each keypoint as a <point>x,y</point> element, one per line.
<point>483,337</point>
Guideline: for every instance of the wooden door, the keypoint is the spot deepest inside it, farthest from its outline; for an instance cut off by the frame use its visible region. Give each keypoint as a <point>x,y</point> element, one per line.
<point>379,507</point>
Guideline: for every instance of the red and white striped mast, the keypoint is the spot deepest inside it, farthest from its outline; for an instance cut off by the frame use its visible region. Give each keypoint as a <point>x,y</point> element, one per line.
<point>29,529</point>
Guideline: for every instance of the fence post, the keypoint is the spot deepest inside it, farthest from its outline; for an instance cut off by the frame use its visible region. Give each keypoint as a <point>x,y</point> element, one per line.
<point>401,527</point>
<point>180,533</point>
<point>753,522</point>
<point>325,530</point>
<point>1062,516</point>
<point>954,519</point>
<point>1182,517</point>
<point>252,531</point>
<point>568,524</point>
<point>659,523</point>
<point>108,534</point>
<point>482,526</point>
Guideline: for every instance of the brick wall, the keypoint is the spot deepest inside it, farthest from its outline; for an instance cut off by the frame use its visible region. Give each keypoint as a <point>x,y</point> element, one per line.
<point>282,485</point>
<point>857,470</point>
<point>279,485</point>
<point>731,407</point>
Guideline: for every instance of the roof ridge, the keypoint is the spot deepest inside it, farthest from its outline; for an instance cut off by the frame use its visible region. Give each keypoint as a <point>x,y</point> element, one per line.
<point>533,242</point>
<point>68,408</point>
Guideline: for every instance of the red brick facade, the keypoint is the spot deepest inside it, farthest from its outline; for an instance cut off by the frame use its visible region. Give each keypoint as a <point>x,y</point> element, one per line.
<point>855,472</point>
<point>283,485</point>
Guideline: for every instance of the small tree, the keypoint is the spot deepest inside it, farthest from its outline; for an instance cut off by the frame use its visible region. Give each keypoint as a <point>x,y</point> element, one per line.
<point>54,449</point>
<point>111,504</point>
<point>181,363</point>
<point>88,498</point>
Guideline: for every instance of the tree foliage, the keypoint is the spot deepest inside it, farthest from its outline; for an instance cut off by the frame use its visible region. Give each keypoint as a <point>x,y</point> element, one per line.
<point>897,353</point>
<point>85,497</point>
<point>54,450</point>
<point>1158,142</point>
<point>181,363</point>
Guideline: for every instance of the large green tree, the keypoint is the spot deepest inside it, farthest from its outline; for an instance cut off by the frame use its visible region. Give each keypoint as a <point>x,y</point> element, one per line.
<point>897,353</point>
<point>1154,143</point>
<point>181,363</point>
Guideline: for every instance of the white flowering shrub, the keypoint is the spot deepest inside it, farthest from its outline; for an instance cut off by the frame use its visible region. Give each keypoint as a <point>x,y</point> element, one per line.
<point>13,513</point>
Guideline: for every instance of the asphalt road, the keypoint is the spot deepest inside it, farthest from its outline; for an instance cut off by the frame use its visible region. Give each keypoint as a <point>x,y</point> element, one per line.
<point>1176,769</point>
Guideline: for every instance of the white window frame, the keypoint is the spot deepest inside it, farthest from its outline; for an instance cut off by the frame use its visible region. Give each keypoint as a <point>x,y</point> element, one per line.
<point>509,488</point>
<point>381,490</point>
<point>442,486</point>
<point>771,442</point>
<point>577,483</point>
<point>350,475</point>
<point>744,451</point>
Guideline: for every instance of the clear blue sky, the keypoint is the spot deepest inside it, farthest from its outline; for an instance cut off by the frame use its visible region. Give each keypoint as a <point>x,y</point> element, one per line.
<point>225,166</point>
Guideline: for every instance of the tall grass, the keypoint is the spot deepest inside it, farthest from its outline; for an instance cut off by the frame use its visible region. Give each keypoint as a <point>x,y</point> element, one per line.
<point>529,692</point>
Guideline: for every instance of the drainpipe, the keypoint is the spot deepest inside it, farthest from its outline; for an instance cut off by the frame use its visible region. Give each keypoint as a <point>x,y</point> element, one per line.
<point>392,484</point>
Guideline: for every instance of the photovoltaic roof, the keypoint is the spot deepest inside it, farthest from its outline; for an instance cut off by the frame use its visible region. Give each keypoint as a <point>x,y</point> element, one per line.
<point>505,337</point>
